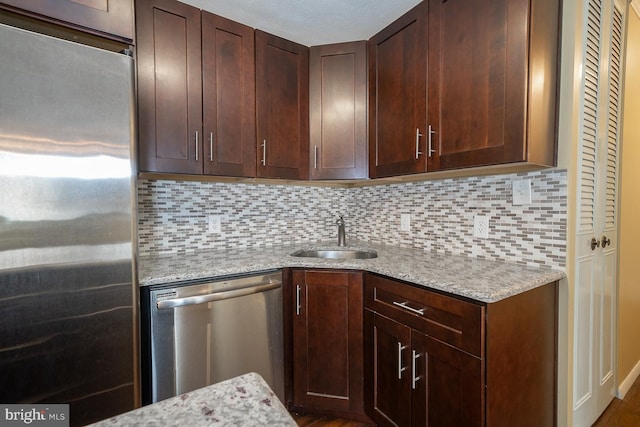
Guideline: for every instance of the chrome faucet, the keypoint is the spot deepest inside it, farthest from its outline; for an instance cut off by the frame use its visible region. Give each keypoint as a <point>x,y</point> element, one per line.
<point>341,235</point>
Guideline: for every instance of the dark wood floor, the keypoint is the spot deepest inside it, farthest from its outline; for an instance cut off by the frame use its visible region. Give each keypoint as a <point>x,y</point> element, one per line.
<point>623,413</point>
<point>620,413</point>
<point>324,421</point>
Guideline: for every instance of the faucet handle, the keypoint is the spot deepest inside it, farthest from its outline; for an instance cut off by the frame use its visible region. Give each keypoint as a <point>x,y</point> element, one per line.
<point>340,220</point>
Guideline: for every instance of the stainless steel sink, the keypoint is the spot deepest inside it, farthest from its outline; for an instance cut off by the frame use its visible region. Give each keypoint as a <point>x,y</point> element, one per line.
<point>336,254</point>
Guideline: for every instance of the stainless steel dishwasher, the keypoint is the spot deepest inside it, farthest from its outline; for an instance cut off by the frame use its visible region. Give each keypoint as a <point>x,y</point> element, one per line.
<point>199,333</point>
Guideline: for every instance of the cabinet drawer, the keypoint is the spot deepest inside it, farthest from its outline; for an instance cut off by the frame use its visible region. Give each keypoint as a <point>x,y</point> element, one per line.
<point>448,319</point>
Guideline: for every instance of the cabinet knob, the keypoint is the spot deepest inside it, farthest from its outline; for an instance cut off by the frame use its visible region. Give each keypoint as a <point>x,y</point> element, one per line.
<point>605,242</point>
<point>594,243</point>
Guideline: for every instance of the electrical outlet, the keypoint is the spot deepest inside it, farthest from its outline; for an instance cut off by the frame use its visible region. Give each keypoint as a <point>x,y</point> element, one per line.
<point>215,224</point>
<point>521,192</point>
<point>481,226</point>
<point>405,222</point>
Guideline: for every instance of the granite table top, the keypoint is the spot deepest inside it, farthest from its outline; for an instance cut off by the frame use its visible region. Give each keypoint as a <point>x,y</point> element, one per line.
<point>477,279</point>
<point>245,400</point>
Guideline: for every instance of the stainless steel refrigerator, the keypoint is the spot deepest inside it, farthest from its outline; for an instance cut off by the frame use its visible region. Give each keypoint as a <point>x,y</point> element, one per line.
<point>67,245</point>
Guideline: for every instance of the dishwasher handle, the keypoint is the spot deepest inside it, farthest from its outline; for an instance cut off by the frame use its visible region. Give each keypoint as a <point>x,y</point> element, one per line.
<point>216,296</point>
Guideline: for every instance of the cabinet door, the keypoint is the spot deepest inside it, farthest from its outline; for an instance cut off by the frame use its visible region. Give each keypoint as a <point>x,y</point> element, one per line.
<point>492,82</point>
<point>447,385</point>
<point>338,110</point>
<point>282,104</point>
<point>327,341</point>
<point>398,96</point>
<point>228,97</point>
<point>107,18</point>
<point>387,381</point>
<point>169,87</point>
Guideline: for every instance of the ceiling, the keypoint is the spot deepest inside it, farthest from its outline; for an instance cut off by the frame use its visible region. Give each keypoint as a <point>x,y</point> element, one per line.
<point>311,22</point>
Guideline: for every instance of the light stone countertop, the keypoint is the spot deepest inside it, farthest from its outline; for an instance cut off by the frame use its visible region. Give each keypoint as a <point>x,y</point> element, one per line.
<point>477,279</point>
<point>245,400</point>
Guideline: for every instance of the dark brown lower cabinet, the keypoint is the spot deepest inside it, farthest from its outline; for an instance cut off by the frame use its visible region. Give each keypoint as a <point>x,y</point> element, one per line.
<point>327,342</point>
<point>418,380</point>
<point>438,360</point>
<point>371,348</point>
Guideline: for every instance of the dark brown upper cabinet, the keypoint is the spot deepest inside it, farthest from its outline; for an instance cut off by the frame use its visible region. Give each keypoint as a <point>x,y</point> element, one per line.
<point>398,95</point>
<point>282,105</point>
<point>196,91</point>
<point>450,91</point>
<point>446,91</point>
<point>228,97</point>
<point>492,82</point>
<point>169,86</point>
<point>112,19</point>
<point>338,111</point>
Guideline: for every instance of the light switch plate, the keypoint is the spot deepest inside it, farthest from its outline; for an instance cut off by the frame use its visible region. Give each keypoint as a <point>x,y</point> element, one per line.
<point>521,192</point>
<point>405,222</point>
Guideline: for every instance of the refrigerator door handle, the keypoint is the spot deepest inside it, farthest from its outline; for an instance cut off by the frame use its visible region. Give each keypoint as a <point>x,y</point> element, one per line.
<point>216,296</point>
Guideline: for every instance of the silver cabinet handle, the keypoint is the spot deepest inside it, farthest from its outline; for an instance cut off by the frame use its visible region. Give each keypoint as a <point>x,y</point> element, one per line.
<point>216,296</point>
<point>400,368</point>
<point>211,146</point>
<point>298,306</point>
<point>431,132</point>
<point>264,152</point>
<point>418,135</point>
<point>414,379</point>
<point>196,146</point>
<point>404,305</point>
<point>315,157</point>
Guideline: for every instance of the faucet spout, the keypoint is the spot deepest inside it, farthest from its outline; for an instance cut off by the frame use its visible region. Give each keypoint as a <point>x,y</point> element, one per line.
<point>342,241</point>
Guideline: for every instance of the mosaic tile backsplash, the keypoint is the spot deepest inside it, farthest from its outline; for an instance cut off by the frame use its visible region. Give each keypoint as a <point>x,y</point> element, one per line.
<point>173,216</point>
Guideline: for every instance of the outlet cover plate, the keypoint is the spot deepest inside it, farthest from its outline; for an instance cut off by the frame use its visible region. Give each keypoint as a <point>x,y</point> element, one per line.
<point>215,224</point>
<point>481,227</point>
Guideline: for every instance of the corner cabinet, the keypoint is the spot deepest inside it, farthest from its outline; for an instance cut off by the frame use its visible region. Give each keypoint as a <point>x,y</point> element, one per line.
<point>470,92</point>
<point>112,19</point>
<point>196,110</point>
<point>435,359</point>
<point>327,342</point>
<point>282,107</point>
<point>338,111</point>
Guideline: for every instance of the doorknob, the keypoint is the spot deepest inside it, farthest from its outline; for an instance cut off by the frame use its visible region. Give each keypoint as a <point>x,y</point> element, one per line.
<point>605,242</point>
<point>594,243</point>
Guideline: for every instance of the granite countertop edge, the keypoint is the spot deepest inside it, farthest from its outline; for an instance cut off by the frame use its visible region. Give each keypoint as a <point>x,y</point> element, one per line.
<point>242,400</point>
<point>477,279</point>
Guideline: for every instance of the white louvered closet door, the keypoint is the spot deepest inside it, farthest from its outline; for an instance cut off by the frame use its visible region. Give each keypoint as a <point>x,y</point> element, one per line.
<point>595,308</point>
